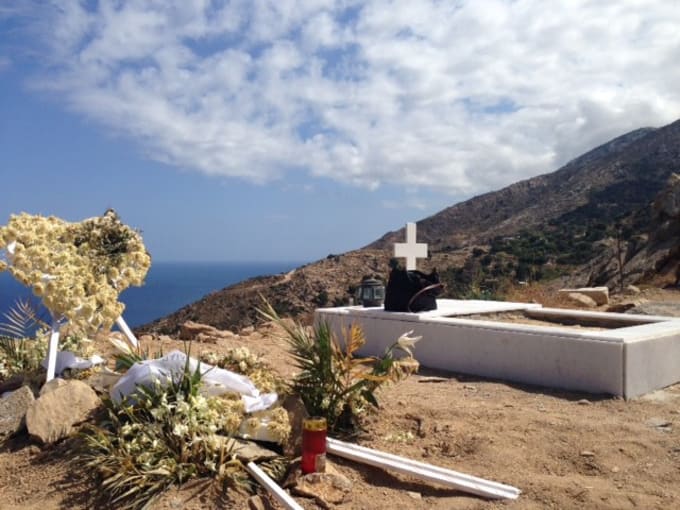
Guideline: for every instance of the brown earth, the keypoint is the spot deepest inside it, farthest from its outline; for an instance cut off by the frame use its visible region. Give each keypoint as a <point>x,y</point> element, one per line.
<point>562,449</point>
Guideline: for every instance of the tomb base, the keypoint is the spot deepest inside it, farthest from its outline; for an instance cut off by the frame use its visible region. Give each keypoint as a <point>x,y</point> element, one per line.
<point>595,352</point>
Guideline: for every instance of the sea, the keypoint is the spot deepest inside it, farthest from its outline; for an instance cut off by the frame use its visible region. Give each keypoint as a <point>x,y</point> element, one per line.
<point>169,286</point>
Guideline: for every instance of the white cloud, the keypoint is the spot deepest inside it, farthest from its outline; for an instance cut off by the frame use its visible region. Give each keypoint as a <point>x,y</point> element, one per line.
<point>456,96</point>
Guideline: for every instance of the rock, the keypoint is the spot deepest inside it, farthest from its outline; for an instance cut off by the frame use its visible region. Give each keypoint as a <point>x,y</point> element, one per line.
<point>13,408</point>
<point>667,309</point>
<point>587,453</point>
<point>54,415</point>
<point>190,330</point>
<point>52,385</point>
<point>146,338</point>
<point>326,488</point>
<point>256,503</point>
<point>659,423</point>
<point>584,402</point>
<point>621,307</point>
<point>632,289</point>
<point>296,413</point>
<point>598,294</point>
<point>581,299</point>
<point>249,451</point>
<point>13,383</point>
<point>414,495</point>
<point>206,338</point>
<point>247,331</point>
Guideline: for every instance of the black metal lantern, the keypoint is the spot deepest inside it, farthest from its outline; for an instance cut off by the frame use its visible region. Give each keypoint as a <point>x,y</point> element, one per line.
<point>371,292</point>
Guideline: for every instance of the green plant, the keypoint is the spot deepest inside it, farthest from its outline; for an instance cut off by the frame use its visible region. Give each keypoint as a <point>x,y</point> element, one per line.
<point>163,435</point>
<point>332,382</point>
<point>169,433</point>
<point>19,351</point>
<point>128,356</point>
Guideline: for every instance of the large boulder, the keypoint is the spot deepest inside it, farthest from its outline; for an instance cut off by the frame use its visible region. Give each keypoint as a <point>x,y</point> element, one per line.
<point>598,294</point>
<point>13,408</point>
<point>581,300</point>
<point>56,413</point>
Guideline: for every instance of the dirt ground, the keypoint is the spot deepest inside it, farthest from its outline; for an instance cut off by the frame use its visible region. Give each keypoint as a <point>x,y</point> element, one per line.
<point>563,449</point>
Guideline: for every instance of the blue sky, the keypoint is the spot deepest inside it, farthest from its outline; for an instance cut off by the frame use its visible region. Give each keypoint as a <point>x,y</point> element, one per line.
<point>256,130</point>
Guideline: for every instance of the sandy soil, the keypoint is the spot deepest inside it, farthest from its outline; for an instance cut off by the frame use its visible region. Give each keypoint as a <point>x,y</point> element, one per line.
<point>562,449</point>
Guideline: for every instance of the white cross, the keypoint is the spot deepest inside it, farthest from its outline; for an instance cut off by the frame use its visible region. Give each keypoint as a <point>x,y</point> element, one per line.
<point>410,250</point>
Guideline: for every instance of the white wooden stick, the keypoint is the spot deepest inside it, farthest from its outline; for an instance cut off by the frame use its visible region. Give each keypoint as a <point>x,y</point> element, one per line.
<point>450,478</point>
<point>52,351</point>
<point>279,494</point>
<point>127,331</point>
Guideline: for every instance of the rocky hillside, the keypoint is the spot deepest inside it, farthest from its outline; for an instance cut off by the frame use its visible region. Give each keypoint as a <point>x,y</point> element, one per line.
<point>604,218</point>
<point>613,179</point>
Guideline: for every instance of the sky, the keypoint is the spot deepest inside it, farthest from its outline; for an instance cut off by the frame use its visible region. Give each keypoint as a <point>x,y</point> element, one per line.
<point>288,130</point>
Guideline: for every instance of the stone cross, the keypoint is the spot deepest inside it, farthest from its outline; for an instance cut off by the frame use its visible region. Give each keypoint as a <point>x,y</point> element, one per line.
<point>410,250</point>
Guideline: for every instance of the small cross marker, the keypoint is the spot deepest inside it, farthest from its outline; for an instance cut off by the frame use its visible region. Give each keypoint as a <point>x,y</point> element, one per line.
<point>410,250</point>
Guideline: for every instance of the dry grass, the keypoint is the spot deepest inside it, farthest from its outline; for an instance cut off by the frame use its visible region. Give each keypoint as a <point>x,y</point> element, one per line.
<point>543,294</point>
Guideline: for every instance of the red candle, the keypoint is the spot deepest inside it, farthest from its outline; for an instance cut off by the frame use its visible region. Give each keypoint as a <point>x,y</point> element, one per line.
<point>313,445</point>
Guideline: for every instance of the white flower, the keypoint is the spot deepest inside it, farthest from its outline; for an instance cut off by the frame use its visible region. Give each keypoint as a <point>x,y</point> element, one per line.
<point>180,430</point>
<point>407,343</point>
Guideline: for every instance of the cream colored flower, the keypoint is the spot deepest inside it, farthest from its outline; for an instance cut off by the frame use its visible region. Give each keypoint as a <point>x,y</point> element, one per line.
<point>407,343</point>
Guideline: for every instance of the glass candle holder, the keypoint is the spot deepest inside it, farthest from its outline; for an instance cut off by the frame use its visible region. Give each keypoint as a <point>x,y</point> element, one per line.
<point>314,431</point>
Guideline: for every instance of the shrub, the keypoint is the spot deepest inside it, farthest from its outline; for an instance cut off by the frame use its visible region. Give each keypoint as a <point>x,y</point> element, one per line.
<point>166,435</point>
<point>334,384</point>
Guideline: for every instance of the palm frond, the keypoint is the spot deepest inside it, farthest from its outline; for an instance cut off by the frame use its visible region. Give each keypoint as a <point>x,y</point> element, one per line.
<point>21,320</point>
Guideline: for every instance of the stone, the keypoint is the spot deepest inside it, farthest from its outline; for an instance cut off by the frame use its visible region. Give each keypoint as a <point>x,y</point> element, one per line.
<point>414,495</point>
<point>13,383</point>
<point>52,385</point>
<point>632,289</point>
<point>296,413</point>
<point>206,338</point>
<point>256,503</point>
<point>249,451</point>
<point>587,453</point>
<point>55,414</point>
<point>598,294</point>
<point>328,489</point>
<point>621,307</point>
<point>659,423</point>
<point>190,330</point>
<point>581,299</point>
<point>13,408</point>
<point>247,331</point>
<point>584,402</point>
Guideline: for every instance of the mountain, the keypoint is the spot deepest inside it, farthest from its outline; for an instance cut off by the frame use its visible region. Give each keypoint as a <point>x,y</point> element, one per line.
<point>593,221</point>
<point>613,179</point>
